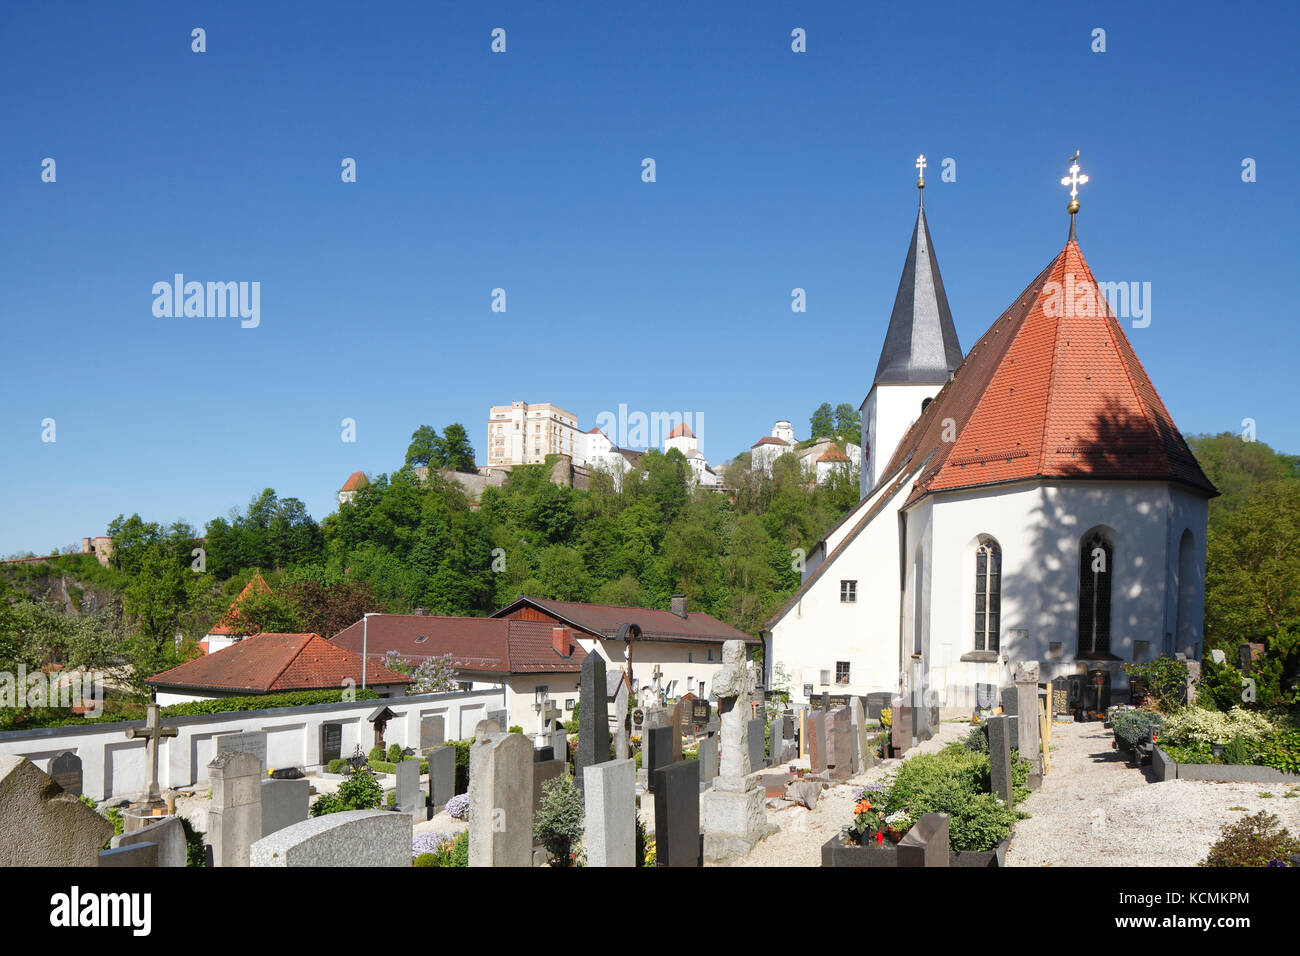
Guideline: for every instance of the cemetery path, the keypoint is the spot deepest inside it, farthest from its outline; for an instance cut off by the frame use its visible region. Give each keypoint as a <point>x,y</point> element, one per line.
<point>1094,809</point>
<point>799,841</point>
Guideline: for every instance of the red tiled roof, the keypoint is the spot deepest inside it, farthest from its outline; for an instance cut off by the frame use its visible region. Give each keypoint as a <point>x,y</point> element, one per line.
<point>229,623</point>
<point>605,620</point>
<point>475,643</point>
<point>682,431</point>
<point>770,440</point>
<point>1050,392</point>
<point>355,480</point>
<point>269,663</point>
<point>834,454</point>
<point>595,431</point>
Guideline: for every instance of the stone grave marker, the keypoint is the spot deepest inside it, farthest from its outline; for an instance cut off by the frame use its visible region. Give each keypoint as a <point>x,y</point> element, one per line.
<point>675,716</point>
<point>1000,758</point>
<point>754,744</point>
<point>331,743</point>
<point>235,817</point>
<point>284,803</point>
<point>65,770</point>
<point>815,725</point>
<point>1009,703</point>
<point>152,733</point>
<point>442,777</point>
<point>926,844</point>
<point>656,751</point>
<point>1026,676</point>
<point>135,856</point>
<point>410,795</point>
<point>677,814</point>
<point>165,834</point>
<point>252,742</point>
<point>500,801</point>
<point>616,694</point>
<point>543,754</point>
<point>609,821</point>
<point>593,716</point>
<point>1060,695</point>
<point>866,753</point>
<point>544,770</point>
<point>486,727</point>
<point>876,703</point>
<point>559,738</point>
<point>500,718</point>
<point>43,825</point>
<point>348,838</point>
<point>432,732</point>
<point>839,733</point>
<point>708,760</point>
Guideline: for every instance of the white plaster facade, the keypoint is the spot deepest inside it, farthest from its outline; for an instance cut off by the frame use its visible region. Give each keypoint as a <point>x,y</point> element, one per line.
<point>887,414</point>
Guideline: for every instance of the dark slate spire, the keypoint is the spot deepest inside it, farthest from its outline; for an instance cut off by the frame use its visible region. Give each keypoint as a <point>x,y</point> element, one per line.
<point>921,343</point>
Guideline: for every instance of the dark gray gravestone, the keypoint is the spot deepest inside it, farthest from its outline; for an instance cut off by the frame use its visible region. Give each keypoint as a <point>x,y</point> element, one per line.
<point>1060,695</point>
<point>1000,757</point>
<point>432,732</point>
<point>754,743</point>
<point>331,742</point>
<point>253,742</point>
<point>284,803</point>
<point>875,703</point>
<point>677,814</point>
<point>442,777</point>
<point>135,856</point>
<point>542,772</point>
<point>543,754</point>
<point>656,751</point>
<point>839,733</point>
<point>926,844</point>
<point>66,771</point>
<point>1009,704</point>
<point>410,795</point>
<point>593,716</point>
<point>708,760</point>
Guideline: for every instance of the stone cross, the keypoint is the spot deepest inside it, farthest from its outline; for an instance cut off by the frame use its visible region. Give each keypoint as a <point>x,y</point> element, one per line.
<point>732,684</point>
<point>152,732</point>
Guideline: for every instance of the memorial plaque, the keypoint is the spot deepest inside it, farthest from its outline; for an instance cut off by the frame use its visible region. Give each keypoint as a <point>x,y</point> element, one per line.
<point>253,742</point>
<point>331,742</point>
<point>1060,696</point>
<point>700,712</point>
<point>65,769</point>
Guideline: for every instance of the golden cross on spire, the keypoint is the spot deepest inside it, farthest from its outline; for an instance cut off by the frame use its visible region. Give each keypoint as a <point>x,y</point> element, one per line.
<point>1074,181</point>
<point>920,168</point>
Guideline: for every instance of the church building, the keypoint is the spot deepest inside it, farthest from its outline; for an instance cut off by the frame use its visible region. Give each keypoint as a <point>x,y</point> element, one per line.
<point>1029,500</point>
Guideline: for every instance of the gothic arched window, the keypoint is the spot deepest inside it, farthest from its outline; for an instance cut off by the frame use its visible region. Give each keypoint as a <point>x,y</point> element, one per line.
<point>988,594</point>
<point>1095,571</point>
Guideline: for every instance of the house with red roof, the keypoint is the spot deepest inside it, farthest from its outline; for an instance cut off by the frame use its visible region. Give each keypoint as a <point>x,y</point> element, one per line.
<point>532,661</point>
<point>231,629</point>
<point>1030,500</point>
<point>356,481</point>
<point>677,650</point>
<point>273,664</point>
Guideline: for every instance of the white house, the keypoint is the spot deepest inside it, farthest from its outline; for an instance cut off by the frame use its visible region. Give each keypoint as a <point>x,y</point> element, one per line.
<point>1030,501</point>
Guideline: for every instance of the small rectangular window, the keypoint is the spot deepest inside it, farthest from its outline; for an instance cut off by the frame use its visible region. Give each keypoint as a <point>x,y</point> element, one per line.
<point>841,672</point>
<point>825,677</point>
<point>848,592</point>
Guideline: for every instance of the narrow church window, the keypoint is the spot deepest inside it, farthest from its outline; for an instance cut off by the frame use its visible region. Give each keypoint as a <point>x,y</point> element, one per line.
<point>988,595</point>
<point>1095,572</point>
<point>848,592</point>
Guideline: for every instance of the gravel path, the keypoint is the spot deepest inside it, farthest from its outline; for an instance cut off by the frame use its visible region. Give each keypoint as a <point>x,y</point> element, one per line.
<point>799,841</point>
<point>1095,810</point>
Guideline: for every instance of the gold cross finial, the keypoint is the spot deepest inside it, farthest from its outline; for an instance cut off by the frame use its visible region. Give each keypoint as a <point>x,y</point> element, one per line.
<point>1074,181</point>
<point>920,168</point>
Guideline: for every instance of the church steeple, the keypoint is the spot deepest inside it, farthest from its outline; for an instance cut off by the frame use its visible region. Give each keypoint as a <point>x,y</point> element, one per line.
<point>921,342</point>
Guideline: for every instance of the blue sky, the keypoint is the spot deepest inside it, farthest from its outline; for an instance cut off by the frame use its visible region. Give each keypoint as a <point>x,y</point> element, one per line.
<point>522,171</point>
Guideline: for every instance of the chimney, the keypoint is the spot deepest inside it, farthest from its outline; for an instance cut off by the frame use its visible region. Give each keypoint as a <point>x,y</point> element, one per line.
<point>421,612</point>
<point>678,605</point>
<point>562,641</point>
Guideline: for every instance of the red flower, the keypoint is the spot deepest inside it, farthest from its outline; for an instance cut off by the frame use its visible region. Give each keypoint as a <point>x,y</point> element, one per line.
<point>880,838</point>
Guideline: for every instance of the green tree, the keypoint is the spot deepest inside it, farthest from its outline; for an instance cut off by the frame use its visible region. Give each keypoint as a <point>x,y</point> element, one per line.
<point>424,446</point>
<point>455,451</point>
<point>822,423</point>
<point>848,424</point>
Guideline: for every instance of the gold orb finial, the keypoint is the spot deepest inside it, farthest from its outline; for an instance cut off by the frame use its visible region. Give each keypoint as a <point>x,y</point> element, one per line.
<point>920,171</point>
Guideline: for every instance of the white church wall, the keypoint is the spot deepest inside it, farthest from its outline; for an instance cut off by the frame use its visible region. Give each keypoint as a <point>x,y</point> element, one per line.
<point>886,415</point>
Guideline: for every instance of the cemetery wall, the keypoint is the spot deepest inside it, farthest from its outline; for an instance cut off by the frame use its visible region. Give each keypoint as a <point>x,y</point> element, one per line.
<point>114,765</point>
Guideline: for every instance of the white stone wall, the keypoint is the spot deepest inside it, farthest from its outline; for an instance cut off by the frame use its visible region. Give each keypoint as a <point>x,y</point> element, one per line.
<point>113,765</point>
<point>886,415</point>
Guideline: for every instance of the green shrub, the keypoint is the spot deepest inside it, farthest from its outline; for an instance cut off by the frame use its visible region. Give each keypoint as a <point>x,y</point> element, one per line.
<point>297,698</point>
<point>1236,751</point>
<point>377,752</point>
<point>453,852</point>
<point>195,853</point>
<point>1166,677</point>
<point>515,729</point>
<point>557,825</point>
<point>1281,751</point>
<point>977,741</point>
<point>338,766</point>
<point>1132,726</point>
<point>1188,753</point>
<point>980,822</point>
<point>1200,725</point>
<point>360,791</point>
<point>395,754</point>
<point>1253,841</point>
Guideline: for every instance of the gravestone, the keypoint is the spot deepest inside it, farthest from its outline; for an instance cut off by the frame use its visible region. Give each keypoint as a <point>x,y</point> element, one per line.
<point>65,770</point>
<point>677,814</point>
<point>675,717</point>
<point>136,856</point>
<point>815,726</point>
<point>543,771</point>
<point>166,834</point>
<point>656,751</point>
<point>253,742</point>
<point>593,716</point>
<point>1009,704</point>
<point>754,743</point>
<point>877,703</point>
<point>701,710</point>
<point>43,825</point>
<point>153,733</point>
<point>1060,695</point>
<point>486,727</point>
<point>609,820</point>
<point>284,803</point>
<point>1097,692</point>
<point>839,732</point>
<point>501,801</point>
<point>986,695</point>
<point>410,795</point>
<point>559,741</point>
<point>866,753</point>
<point>499,717</point>
<point>708,760</point>
<point>776,742</point>
<point>903,730</point>
<point>1026,676</point>
<point>616,691</point>
<point>348,838</point>
<point>543,754</point>
<point>926,843</point>
<point>235,816</point>
<point>331,743</point>
<point>1000,758</point>
<point>734,814</point>
<point>432,732</point>
<point>442,777</point>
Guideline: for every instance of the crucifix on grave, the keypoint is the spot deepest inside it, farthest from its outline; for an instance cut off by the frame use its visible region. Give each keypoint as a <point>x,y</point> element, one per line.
<point>152,732</point>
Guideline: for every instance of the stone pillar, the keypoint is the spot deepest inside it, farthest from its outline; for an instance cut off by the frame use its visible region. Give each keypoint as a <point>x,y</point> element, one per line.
<point>501,801</point>
<point>1000,758</point>
<point>1026,675</point>
<point>235,818</point>
<point>593,716</point>
<point>609,823</point>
